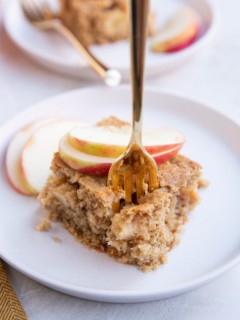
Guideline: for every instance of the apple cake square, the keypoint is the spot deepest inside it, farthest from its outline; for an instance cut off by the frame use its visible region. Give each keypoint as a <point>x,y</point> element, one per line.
<point>140,234</point>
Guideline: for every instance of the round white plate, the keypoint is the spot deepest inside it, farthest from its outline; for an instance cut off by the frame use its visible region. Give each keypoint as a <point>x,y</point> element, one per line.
<point>209,245</point>
<point>52,51</point>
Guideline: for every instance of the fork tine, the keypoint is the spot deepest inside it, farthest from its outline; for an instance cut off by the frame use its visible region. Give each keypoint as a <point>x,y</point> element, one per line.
<point>139,184</point>
<point>38,7</point>
<point>116,207</point>
<point>43,9</point>
<point>115,181</point>
<point>26,9</point>
<point>128,179</point>
<point>30,10</point>
<point>35,10</point>
<point>153,180</point>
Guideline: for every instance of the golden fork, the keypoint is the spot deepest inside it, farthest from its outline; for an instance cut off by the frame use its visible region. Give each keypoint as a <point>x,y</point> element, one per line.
<point>43,15</point>
<point>135,170</point>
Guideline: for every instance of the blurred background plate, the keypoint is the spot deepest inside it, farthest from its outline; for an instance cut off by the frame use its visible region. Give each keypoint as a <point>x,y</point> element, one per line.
<point>52,51</point>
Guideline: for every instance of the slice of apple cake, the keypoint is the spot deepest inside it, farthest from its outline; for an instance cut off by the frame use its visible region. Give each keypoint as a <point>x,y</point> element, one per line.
<point>140,234</point>
<point>98,21</point>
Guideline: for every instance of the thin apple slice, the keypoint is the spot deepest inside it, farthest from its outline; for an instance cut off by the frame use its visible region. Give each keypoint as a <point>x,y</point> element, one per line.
<point>111,141</point>
<point>179,31</point>
<point>81,161</point>
<point>96,165</point>
<point>13,155</point>
<point>38,152</point>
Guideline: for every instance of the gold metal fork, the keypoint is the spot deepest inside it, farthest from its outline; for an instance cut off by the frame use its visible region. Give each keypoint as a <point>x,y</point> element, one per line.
<point>43,15</point>
<point>135,171</point>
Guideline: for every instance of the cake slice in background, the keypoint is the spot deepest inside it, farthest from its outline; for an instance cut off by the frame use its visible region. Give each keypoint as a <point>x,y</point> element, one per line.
<point>98,21</point>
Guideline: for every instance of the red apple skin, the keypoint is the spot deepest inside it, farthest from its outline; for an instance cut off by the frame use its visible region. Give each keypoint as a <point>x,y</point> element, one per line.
<point>99,149</point>
<point>25,193</point>
<point>31,190</point>
<point>99,169</point>
<point>26,190</point>
<point>183,45</point>
<point>161,158</point>
<point>114,151</point>
<point>22,172</point>
<point>153,150</point>
<point>182,40</point>
<point>102,169</point>
<point>22,190</point>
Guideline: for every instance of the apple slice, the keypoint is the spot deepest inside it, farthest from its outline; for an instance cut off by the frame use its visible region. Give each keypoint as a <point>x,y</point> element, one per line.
<point>111,141</point>
<point>13,155</point>
<point>179,31</point>
<point>97,165</point>
<point>83,162</point>
<point>38,152</point>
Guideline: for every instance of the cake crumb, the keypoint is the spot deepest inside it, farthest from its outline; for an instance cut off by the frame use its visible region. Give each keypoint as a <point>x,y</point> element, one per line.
<point>203,183</point>
<point>57,240</point>
<point>44,225</point>
<point>112,121</point>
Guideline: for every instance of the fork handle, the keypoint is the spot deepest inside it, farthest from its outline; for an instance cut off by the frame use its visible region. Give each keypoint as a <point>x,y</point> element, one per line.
<point>111,77</point>
<point>139,10</point>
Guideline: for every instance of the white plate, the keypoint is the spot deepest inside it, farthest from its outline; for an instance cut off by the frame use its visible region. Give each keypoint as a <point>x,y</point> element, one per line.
<point>52,51</point>
<point>209,246</point>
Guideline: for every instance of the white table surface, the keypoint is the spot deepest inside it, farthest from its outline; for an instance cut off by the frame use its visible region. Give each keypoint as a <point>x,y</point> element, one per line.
<point>213,76</point>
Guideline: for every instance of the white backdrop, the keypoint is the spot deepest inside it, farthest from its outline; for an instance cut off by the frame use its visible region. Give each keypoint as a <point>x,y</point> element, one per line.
<point>213,76</point>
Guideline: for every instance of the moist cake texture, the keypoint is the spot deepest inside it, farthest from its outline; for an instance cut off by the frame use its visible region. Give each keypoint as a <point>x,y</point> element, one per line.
<point>98,21</point>
<point>140,234</point>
